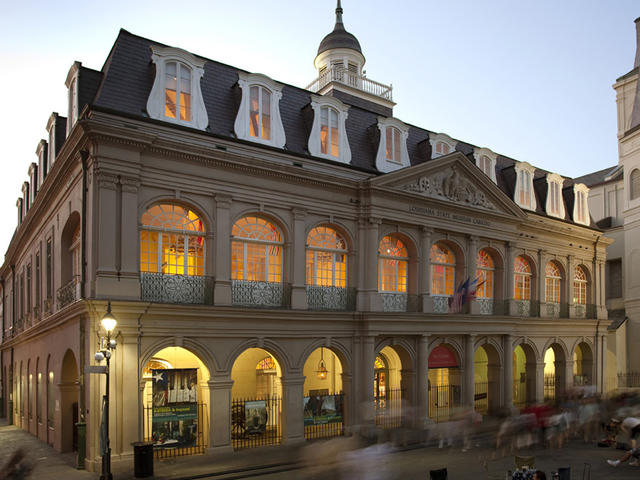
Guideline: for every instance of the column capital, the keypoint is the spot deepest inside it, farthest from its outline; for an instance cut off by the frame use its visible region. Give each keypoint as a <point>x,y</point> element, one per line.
<point>374,220</point>
<point>426,231</point>
<point>292,380</point>
<point>223,200</point>
<point>299,213</point>
<point>219,384</point>
<point>130,184</point>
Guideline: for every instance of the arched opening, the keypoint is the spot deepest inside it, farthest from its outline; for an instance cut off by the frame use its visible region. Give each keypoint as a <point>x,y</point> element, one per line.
<point>524,376</point>
<point>29,393</point>
<point>256,405</point>
<point>175,397</point>
<point>51,401</point>
<point>69,387</point>
<point>554,372</point>
<point>70,262</point>
<point>487,379</point>
<point>323,395</point>
<point>444,383</point>
<point>38,396</point>
<point>582,365</point>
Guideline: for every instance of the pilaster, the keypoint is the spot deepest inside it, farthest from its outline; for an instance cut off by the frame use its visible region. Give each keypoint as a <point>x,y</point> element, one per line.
<point>292,412</point>
<point>298,290</point>
<point>472,269</point>
<point>368,297</point>
<point>222,289</point>
<point>507,380</point>
<point>468,391</point>
<point>422,394</point>
<point>219,414</point>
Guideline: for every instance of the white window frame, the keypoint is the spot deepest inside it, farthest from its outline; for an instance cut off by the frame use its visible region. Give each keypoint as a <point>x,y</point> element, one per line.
<point>314,145</point>
<point>161,56</point>
<point>436,138</point>
<point>51,151</point>
<point>383,164</point>
<point>580,190</point>
<point>522,168</point>
<point>479,153</point>
<point>554,181</point>
<point>73,98</point>
<point>243,118</point>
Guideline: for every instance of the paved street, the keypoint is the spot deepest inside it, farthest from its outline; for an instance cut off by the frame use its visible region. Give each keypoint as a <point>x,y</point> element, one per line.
<point>377,462</point>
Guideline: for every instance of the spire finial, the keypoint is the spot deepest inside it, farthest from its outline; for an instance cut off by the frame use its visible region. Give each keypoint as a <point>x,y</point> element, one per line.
<point>338,13</point>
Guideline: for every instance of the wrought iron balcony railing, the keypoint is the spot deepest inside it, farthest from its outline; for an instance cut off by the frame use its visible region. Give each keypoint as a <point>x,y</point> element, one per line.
<point>440,304</point>
<point>331,298</point>
<point>247,293</point>
<point>69,292</point>
<point>400,302</point>
<point>187,289</point>
<point>352,79</point>
<point>486,305</point>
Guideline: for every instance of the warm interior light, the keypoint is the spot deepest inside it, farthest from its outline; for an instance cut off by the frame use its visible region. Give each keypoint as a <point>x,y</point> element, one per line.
<point>108,321</point>
<point>322,368</point>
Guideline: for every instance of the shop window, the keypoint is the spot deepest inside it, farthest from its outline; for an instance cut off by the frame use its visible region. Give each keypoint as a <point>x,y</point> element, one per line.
<point>256,250</point>
<point>326,258</point>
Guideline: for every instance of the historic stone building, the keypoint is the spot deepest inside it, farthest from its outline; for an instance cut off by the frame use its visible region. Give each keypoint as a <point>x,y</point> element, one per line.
<point>283,262</point>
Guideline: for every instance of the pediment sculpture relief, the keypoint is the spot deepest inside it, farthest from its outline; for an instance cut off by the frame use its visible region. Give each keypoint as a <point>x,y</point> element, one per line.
<point>450,185</point>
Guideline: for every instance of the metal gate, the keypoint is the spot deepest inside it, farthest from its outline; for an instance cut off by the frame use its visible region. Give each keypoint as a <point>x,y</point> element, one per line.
<point>389,408</point>
<point>481,397</point>
<point>549,387</point>
<point>323,415</point>
<point>443,400</point>
<point>256,422</point>
<point>176,437</point>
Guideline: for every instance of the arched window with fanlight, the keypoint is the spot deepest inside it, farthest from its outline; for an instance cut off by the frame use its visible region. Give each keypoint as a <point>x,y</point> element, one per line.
<point>552,281</point>
<point>522,279</point>
<point>256,250</point>
<point>579,286</point>
<point>393,261</point>
<point>172,241</point>
<point>485,273</point>
<point>326,258</point>
<point>443,268</point>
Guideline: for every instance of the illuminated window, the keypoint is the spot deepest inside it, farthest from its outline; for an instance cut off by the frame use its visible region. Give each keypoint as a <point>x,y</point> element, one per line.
<point>484,273</point>
<point>392,149</point>
<point>392,145</point>
<point>579,286</point>
<point>256,250</point>
<point>552,280</point>
<point>522,279</point>
<point>580,207</point>
<point>326,258</point>
<point>260,113</point>
<point>443,267</point>
<point>393,261</point>
<point>329,133</point>
<point>177,91</point>
<point>172,241</point>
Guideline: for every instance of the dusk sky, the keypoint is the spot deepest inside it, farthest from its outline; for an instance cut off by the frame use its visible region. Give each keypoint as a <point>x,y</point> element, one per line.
<point>528,79</point>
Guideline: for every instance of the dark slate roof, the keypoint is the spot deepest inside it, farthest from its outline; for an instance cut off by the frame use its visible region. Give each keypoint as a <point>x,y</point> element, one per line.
<point>339,37</point>
<point>594,178</point>
<point>128,74</point>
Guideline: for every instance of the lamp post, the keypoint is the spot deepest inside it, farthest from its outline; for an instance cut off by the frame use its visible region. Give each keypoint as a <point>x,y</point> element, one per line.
<point>107,344</point>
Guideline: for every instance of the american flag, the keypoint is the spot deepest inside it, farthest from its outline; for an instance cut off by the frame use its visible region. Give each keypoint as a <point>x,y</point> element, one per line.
<point>465,292</point>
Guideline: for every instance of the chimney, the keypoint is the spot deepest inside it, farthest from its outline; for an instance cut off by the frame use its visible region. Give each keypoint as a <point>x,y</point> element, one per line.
<point>636,63</point>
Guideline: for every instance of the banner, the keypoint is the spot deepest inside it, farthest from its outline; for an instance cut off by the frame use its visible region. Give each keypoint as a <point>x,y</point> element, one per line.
<point>319,409</point>
<point>175,407</point>
<point>255,416</point>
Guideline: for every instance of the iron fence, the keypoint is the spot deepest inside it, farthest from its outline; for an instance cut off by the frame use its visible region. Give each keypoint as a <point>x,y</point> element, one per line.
<point>629,380</point>
<point>520,392</point>
<point>443,400</point>
<point>187,289</point>
<point>68,293</point>
<point>549,387</point>
<point>388,412</point>
<point>324,416</point>
<point>247,293</point>
<point>256,422</point>
<point>400,302</point>
<point>481,397</point>
<point>331,298</point>
<point>353,79</point>
<point>175,438</point>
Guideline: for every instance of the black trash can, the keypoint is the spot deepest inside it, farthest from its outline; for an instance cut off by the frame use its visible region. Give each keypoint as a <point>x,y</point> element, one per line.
<point>142,459</point>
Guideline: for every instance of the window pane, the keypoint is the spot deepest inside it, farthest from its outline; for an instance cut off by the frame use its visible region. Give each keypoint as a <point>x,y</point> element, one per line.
<point>148,251</point>
<point>237,260</point>
<point>389,143</point>
<point>396,144</point>
<point>170,90</point>
<point>324,138</point>
<point>256,262</point>
<point>335,137</point>
<point>266,114</point>
<point>173,254</point>
<point>275,263</point>
<point>253,112</point>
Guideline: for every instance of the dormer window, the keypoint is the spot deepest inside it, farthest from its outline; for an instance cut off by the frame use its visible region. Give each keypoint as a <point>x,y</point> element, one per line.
<point>72,87</point>
<point>20,211</point>
<point>176,95</point>
<point>258,118</point>
<point>580,206</point>
<point>328,136</point>
<point>555,205</point>
<point>33,182</point>
<point>523,194</point>
<point>486,161</point>
<point>441,144</point>
<point>392,149</point>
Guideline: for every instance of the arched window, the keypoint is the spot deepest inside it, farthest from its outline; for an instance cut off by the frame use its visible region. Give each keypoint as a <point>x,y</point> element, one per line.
<point>326,258</point>
<point>393,145</point>
<point>172,241</point>
<point>443,267</point>
<point>484,273</point>
<point>522,279</point>
<point>177,91</point>
<point>393,261</point>
<point>442,149</point>
<point>260,113</point>
<point>552,280</point>
<point>579,286</point>
<point>256,250</point>
<point>634,184</point>
<point>329,132</point>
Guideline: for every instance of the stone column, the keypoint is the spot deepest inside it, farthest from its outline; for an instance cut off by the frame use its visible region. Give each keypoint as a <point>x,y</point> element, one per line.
<point>349,402</point>
<point>472,268</point>
<point>298,290</point>
<point>424,272</point>
<point>469,375</point>
<point>106,274</point>
<point>366,374</point>
<point>292,409</point>
<point>222,237</point>
<point>539,385</point>
<point>126,390</point>
<point>569,285</point>
<point>422,383</point>
<point>542,292</point>
<point>509,256</point>
<point>507,381</point>
<point>129,239</point>
<point>371,299</point>
<point>598,295</point>
<point>219,414</point>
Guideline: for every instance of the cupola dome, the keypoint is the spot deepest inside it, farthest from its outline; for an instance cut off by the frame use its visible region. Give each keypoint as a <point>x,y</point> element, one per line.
<point>339,37</point>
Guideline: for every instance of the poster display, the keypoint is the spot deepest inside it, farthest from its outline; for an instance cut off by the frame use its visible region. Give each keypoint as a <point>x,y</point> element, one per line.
<point>175,407</point>
<point>255,416</point>
<point>319,409</point>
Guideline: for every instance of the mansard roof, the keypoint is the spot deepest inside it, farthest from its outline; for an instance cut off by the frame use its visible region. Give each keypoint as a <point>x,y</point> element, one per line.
<point>128,74</point>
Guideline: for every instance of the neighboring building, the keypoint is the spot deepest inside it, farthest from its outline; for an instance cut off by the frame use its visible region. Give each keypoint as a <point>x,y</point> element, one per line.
<point>283,262</point>
<point>614,203</point>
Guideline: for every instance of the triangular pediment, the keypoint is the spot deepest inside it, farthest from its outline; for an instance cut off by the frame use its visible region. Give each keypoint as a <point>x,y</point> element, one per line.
<point>450,179</point>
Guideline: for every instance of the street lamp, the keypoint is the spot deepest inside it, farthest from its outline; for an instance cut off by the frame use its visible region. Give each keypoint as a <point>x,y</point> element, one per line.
<point>107,344</point>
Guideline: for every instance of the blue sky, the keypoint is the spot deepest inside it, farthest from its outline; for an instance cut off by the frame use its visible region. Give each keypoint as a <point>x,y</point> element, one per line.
<point>527,79</point>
